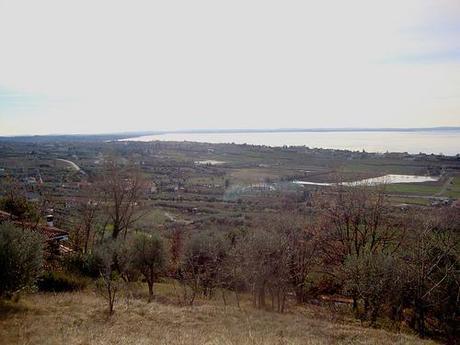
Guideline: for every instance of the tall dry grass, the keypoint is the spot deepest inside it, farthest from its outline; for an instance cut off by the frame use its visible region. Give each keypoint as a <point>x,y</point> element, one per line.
<point>81,318</point>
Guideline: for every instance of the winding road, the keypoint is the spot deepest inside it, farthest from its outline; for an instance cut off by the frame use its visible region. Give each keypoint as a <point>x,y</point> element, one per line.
<point>72,164</point>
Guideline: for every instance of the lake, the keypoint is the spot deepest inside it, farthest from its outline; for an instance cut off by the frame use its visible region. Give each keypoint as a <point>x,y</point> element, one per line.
<point>386,179</point>
<point>446,142</point>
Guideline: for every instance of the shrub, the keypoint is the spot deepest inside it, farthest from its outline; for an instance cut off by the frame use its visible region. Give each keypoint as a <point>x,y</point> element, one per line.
<point>18,205</point>
<point>89,265</point>
<point>21,259</point>
<point>57,281</point>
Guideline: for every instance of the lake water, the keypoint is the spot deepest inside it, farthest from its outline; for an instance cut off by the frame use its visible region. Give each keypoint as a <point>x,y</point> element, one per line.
<point>209,162</point>
<point>442,141</point>
<point>386,179</point>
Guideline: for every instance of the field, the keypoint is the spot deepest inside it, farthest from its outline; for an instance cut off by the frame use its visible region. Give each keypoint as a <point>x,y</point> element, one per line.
<point>80,318</point>
<point>453,188</point>
<point>251,179</point>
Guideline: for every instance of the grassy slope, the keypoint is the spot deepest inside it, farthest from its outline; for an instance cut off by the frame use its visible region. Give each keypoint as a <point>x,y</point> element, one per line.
<point>79,318</point>
<point>414,188</point>
<point>453,189</point>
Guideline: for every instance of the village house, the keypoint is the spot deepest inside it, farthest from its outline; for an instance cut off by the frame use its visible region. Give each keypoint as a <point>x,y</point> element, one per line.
<point>54,237</point>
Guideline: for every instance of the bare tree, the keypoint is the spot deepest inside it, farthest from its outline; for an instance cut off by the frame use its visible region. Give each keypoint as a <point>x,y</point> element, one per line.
<point>264,258</point>
<point>302,250</point>
<point>353,221</point>
<point>87,214</point>
<point>432,266</point>
<point>122,190</point>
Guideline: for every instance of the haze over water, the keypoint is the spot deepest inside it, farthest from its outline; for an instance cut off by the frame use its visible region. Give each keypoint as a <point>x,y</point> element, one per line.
<point>446,142</point>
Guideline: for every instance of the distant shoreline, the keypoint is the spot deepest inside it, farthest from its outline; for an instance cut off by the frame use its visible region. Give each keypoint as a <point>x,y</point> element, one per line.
<point>331,129</point>
<point>413,141</point>
<point>301,130</point>
<point>121,135</point>
<point>434,140</point>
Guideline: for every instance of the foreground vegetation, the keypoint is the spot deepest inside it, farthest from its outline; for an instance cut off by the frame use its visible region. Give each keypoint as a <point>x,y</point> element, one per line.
<point>80,318</point>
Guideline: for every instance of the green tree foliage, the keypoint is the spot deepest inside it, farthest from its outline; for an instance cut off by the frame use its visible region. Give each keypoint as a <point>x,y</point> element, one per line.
<point>19,207</point>
<point>148,255</point>
<point>370,276</point>
<point>88,265</point>
<point>202,265</point>
<point>114,260</point>
<point>21,259</point>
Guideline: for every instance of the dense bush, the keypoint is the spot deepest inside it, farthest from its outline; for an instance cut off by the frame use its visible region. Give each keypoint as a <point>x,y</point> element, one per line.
<point>89,265</point>
<point>202,265</point>
<point>370,277</point>
<point>21,259</point>
<point>18,205</point>
<point>58,281</point>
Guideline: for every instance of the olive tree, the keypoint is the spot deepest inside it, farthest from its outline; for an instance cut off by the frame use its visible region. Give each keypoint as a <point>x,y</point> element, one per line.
<point>148,255</point>
<point>202,264</point>
<point>14,201</point>
<point>114,260</point>
<point>21,258</point>
<point>371,277</point>
<point>263,256</point>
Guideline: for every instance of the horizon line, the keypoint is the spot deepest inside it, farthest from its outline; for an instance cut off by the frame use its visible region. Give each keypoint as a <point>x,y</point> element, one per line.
<point>244,130</point>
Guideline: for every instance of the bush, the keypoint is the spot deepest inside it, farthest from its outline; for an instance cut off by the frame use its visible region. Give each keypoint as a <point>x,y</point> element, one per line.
<point>56,281</point>
<point>21,259</point>
<point>89,265</point>
<point>18,205</point>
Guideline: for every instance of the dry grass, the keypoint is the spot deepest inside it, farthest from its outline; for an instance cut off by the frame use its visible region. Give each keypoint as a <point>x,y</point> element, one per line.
<point>80,318</point>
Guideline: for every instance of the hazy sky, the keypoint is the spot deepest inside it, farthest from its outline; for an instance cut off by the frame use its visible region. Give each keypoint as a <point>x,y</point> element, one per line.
<point>88,66</point>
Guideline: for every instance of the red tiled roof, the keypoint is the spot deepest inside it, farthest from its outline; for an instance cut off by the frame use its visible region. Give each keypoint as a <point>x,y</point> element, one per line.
<point>49,232</point>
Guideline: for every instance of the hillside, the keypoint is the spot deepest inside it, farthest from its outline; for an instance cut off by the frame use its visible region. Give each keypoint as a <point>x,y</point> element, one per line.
<point>80,318</point>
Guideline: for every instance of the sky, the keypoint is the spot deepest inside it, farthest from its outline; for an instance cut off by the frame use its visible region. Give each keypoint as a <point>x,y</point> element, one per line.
<point>100,66</point>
